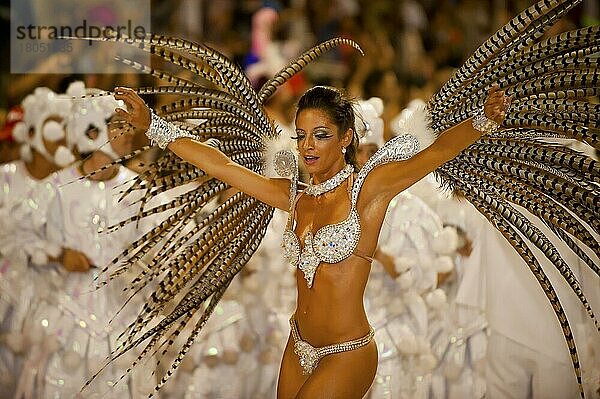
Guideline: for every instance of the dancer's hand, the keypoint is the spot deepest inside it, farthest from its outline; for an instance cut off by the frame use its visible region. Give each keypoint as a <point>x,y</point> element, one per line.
<point>496,104</point>
<point>138,113</point>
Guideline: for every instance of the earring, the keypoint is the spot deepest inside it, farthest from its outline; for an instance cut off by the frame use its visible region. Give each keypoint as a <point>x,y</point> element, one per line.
<point>343,150</point>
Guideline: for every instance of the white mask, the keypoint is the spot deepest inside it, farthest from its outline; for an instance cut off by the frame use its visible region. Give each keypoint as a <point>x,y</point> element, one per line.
<point>25,152</point>
<point>20,132</point>
<point>53,131</point>
<point>90,113</point>
<point>49,130</point>
<point>63,157</point>
<point>38,107</point>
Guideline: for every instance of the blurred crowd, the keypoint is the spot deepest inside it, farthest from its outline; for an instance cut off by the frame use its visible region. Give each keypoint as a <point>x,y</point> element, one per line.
<point>457,313</point>
<point>411,47</point>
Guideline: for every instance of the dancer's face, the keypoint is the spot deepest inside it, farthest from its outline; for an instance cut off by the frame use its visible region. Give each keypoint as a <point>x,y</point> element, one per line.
<point>320,143</point>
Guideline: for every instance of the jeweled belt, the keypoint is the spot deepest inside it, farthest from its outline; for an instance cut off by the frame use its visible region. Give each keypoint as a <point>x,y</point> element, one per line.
<point>310,356</point>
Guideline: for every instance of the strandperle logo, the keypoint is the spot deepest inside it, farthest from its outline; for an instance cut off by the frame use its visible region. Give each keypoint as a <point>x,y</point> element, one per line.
<point>82,31</point>
<point>49,36</point>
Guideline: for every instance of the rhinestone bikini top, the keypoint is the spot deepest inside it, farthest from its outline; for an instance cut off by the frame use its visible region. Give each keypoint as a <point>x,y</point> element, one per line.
<point>332,243</point>
<point>335,242</point>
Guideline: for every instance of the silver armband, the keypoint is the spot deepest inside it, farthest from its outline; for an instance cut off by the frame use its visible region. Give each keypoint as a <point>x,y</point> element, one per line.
<point>162,132</point>
<point>484,124</point>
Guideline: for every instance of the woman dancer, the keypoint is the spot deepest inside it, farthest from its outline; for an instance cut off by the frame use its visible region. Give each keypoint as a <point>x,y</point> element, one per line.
<point>332,229</point>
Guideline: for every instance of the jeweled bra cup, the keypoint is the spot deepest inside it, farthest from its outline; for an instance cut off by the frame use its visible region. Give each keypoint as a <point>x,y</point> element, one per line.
<point>330,244</point>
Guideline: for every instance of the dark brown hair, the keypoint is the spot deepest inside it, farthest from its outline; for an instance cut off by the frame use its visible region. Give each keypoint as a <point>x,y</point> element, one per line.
<point>340,110</point>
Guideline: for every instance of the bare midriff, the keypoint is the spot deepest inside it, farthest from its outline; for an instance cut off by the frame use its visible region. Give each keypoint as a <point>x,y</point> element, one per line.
<point>332,310</point>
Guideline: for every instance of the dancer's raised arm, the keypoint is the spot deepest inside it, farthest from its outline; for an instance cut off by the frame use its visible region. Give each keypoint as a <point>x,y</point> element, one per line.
<point>394,177</point>
<point>271,191</point>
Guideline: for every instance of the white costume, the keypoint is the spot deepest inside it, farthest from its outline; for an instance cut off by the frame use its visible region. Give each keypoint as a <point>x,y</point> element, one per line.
<point>17,245</point>
<point>456,324</point>
<point>525,346</point>
<point>243,340</point>
<point>527,357</point>
<point>44,113</point>
<point>68,328</point>
<point>225,352</point>
<point>462,349</point>
<point>77,316</point>
<point>251,321</point>
<point>275,299</point>
<point>23,202</point>
<point>226,359</point>
<point>407,313</point>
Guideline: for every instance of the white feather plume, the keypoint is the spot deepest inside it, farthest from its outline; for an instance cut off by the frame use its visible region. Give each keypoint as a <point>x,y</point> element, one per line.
<point>415,120</point>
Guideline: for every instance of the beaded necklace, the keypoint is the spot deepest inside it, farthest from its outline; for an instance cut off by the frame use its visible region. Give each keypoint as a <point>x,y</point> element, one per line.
<point>329,184</point>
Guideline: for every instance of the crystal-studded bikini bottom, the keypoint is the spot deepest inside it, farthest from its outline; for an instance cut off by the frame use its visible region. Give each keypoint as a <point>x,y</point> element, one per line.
<point>310,356</point>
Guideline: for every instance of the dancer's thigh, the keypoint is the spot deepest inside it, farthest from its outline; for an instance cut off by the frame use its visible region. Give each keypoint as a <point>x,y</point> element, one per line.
<point>290,373</point>
<point>344,375</point>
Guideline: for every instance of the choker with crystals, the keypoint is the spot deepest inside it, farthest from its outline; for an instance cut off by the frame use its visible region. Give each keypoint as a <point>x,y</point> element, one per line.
<point>329,184</point>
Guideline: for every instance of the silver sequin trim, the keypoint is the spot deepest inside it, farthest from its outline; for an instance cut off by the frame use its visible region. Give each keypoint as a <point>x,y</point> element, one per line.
<point>309,356</point>
<point>483,124</point>
<point>331,183</point>
<point>162,132</point>
<point>335,242</point>
<point>285,164</point>
<point>399,148</point>
<point>290,247</point>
